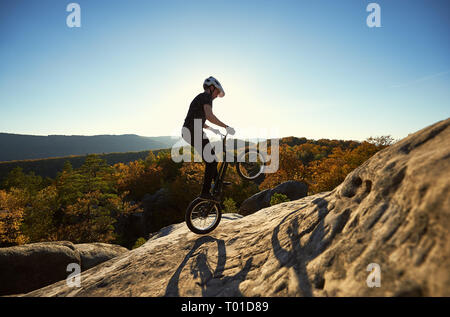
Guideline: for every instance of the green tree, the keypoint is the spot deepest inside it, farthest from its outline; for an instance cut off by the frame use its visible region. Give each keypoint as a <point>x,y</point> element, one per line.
<point>278,198</point>
<point>67,167</point>
<point>230,206</point>
<point>39,216</point>
<point>170,168</point>
<point>139,242</point>
<point>96,174</point>
<point>18,179</point>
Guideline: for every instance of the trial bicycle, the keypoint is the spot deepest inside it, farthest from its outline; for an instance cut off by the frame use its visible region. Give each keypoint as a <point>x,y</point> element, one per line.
<point>204,215</point>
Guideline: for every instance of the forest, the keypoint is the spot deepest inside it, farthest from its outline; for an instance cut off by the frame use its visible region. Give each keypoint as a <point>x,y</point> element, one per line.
<point>89,203</point>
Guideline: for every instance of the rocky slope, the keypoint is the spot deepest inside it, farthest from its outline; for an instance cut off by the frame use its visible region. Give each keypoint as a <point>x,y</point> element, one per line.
<point>394,211</point>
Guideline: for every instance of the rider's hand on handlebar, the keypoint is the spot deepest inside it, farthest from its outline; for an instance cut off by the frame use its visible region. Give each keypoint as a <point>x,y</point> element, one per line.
<point>230,130</point>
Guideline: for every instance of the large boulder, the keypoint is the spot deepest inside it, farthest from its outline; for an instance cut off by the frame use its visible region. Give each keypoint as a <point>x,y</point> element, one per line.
<point>292,189</point>
<point>28,267</point>
<point>130,227</point>
<point>31,266</point>
<point>92,254</point>
<point>160,210</point>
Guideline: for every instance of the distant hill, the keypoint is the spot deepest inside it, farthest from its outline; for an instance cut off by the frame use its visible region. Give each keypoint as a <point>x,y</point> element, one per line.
<point>25,147</point>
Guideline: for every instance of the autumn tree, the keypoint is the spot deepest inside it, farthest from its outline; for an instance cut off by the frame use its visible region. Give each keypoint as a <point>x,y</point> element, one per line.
<point>89,219</point>
<point>290,168</point>
<point>137,178</point>
<point>329,172</point>
<point>12,205</point>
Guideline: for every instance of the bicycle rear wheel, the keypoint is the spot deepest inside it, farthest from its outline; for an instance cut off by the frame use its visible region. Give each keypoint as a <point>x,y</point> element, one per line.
<point>203,216</point>
<point>250,164</point>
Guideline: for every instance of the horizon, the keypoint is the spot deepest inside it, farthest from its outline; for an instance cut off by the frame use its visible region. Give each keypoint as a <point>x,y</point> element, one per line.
<point>213,138</point>
<point>310,69</point>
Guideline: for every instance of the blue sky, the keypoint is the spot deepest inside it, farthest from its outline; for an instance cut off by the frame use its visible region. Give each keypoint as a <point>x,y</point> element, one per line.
<point>303,68</point>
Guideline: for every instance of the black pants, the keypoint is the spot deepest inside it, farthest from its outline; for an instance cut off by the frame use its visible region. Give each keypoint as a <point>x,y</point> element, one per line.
<point>211,167</point>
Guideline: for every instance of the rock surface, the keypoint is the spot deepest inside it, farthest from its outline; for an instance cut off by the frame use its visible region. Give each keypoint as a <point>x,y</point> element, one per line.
<point>292,189</point>
<point>31,266</point>
<point>393,210</point>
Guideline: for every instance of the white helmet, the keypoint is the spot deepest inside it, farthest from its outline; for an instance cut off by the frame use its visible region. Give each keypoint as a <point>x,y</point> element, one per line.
<point>212,81</point>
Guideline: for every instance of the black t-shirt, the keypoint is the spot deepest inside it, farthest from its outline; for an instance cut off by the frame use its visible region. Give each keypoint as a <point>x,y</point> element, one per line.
<point>196,110</point>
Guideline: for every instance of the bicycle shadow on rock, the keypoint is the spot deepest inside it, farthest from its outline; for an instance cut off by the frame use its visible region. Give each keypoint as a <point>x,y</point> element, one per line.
<point>300,255</point>
<point>211,283</point>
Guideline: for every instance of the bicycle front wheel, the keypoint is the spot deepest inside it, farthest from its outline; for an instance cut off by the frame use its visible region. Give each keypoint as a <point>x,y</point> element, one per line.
<point>203,216</point>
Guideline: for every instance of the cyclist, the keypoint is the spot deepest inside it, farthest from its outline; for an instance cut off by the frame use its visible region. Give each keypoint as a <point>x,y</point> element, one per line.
<point>200,110</point>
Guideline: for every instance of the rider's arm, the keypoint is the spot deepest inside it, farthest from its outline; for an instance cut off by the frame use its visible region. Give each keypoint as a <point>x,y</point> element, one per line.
<point>211,117</point>
<point>205,126</point>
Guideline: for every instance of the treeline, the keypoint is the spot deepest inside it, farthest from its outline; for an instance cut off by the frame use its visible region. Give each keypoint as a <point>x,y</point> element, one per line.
<point>89,203</point>
<point>322,164</point>
<point>50,167</point>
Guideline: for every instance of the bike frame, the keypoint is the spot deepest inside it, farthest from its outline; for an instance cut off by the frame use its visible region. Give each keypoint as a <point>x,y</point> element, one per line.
<point>217,188</point>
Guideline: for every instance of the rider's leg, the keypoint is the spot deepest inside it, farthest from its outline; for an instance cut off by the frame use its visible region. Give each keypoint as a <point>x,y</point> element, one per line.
<point>208,177</point>
<point>210,168</point>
